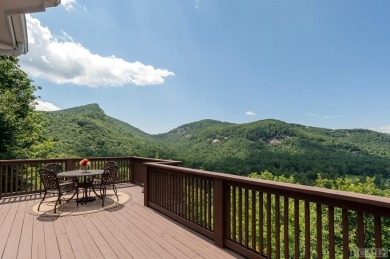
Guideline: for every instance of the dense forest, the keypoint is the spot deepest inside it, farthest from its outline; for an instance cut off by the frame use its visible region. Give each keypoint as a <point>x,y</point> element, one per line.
<point>268,145</point>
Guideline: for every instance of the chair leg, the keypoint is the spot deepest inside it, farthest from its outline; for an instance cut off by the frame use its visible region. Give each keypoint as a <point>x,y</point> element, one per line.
<point>76,191</point>
<point>103,193</point>
<point>44,196</point>
<point>58,201</point>
<point>115,191</point>
<point>77,197</point>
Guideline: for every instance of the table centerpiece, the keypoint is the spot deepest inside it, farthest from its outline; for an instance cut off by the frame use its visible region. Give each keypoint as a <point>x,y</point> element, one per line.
<point>84,164</point>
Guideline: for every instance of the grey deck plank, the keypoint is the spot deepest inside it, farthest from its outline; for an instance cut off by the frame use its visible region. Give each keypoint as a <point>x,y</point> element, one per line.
<point>134,231</point>
<point>111,239</point>
<point>13,241</point>
<point>98,239</point>
<point>38,249</point>
<point>75,239</point>
<point>6,226</point>
<point>26,235</point>
<point>92,249</point>
<point>64,245</point>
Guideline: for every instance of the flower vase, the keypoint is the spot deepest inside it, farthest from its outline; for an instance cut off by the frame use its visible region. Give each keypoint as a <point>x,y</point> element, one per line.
<point>84,169</point>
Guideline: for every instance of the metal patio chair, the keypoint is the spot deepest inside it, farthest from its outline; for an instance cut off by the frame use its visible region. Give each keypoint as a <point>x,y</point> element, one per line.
<point>53,185</point>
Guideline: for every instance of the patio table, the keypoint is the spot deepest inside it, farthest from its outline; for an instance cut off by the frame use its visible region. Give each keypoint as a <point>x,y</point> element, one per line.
<point>86,184</point>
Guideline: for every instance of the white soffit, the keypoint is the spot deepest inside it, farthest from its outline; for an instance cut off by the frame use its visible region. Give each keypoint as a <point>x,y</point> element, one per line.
<point>13,29</point>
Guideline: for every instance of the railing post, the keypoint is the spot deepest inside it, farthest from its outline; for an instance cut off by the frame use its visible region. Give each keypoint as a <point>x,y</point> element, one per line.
<point>69,165</point>
<point>219,215</point>
<point>146,186</point>
<point>132,170</point>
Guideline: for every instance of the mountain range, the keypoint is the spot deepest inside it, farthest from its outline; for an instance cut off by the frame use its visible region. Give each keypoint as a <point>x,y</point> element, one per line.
<point>265,145</point>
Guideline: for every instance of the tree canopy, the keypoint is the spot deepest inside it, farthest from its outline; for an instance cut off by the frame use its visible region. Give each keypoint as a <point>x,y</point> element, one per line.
<point>21,127</point>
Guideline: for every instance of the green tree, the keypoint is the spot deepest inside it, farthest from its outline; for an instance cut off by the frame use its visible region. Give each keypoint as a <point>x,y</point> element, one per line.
<point>21,128</point>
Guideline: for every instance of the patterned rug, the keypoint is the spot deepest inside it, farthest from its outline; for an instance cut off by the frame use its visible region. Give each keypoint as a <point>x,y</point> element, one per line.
<point>71,209</point>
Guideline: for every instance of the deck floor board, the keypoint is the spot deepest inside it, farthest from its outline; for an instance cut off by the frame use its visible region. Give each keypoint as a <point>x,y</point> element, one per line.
<point>133,231</point>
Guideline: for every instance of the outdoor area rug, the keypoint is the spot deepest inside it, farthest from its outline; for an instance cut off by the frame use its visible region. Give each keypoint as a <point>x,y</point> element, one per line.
<point>71,209</point>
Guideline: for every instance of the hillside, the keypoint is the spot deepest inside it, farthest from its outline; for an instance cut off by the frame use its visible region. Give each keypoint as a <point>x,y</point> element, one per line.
<point>88,131</point>
<point>281,148</point>
<point>272,145</point>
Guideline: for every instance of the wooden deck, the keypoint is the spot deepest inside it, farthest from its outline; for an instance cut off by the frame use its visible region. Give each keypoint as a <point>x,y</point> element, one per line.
<point>133,231</point>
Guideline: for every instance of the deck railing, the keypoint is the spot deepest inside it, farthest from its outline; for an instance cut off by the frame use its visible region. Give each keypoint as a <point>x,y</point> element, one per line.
<point>256,218</point>
<point>21,176</point>
<point>267,219</point>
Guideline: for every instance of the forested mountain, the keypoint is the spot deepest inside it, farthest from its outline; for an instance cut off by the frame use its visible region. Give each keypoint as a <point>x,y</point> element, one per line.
<point>281,148</point>
<point>87,131</point>
<point>267,145</point>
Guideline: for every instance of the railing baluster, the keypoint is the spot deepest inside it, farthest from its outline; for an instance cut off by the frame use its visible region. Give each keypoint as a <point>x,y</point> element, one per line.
<point>253,231</point>
<point>150,188</point>
<point>378,232</point>
<point>169,191</point>
<point>296,228</point>
<point>261,223</point>
<point>246,213</point>
<point>307,229</point>
<point>209,204</point>
<point>186,215</point>
<point>331,232</point>
<point>319,231</point>
<point>192,199</point>
<point>286,232</point>
<point>181,196</point>
<point>277,226</point>
<point>156,184</point>
<point>227,208</point>
<point>12,179</point>
<point>269,245</point>
<point>176,186</point>
<point>205,203</point>
<point>201,203</point>
<point>162,186</point>
<point>360,234</point>
<point>234,204</point>
<point>345,225</point>
<point>240,215</point>
<point>22,179</point>
<point>197,200</point>
<point>6,180</point>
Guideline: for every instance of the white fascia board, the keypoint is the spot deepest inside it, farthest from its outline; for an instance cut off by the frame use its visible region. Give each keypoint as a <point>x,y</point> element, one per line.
<point>14,41</point>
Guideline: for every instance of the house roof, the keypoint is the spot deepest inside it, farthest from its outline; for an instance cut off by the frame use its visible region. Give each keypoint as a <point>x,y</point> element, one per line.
<point>13,28</point>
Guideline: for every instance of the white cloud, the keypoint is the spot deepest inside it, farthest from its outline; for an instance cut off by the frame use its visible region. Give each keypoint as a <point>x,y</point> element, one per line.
<point>332,116</point>
<point>197,4</point>
<point>68,4</point>
<point>45,106</point>
<point>61,60</point>
<point>310,114</point>
<point>250,113</point>
<point>383,129</point>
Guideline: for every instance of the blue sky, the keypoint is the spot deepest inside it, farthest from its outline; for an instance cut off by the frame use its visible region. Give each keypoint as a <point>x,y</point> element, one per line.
<point>160,64</point>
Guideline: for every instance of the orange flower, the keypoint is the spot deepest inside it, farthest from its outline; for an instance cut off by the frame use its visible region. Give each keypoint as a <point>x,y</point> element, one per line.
<point>84,162</point>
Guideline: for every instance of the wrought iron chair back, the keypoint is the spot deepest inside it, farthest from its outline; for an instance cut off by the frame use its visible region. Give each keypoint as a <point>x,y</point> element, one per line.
<point>52,185</point>
<point>57,168</point>
<point>49,179</point>
<point>110,163</point>
<point>108,179</point>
